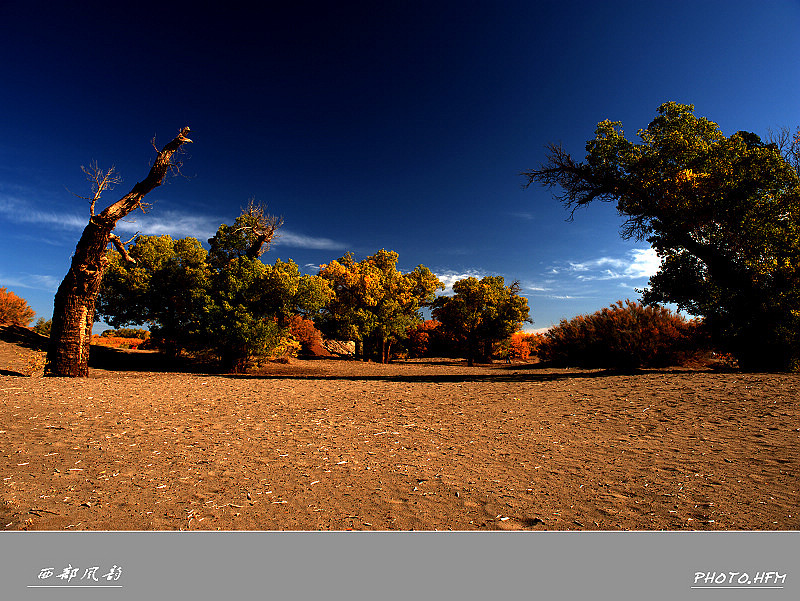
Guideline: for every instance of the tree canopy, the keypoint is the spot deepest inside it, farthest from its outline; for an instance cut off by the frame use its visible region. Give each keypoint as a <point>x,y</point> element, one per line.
<point>14,310</point>
<point>374,304</point>
<point>166,289</point>
<point>723,214</point>
<point>481,313</point>
<point>225,299</point>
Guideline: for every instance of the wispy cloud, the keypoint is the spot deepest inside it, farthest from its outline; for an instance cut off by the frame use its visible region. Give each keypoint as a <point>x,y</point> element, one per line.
<point>18,210</point>
<point>33,281</point>
<point>175,223</point>
<point>534,287</point>
<point>524,215</point>
<point>294,240</point>
<point>162,221</point>
<point>567,297</point>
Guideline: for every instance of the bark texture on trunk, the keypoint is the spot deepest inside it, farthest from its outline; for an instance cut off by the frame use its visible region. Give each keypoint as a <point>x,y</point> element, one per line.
<point>73,306</point>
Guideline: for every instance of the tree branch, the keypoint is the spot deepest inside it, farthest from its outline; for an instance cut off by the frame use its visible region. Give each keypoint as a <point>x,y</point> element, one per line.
<point>155,178</point>
<point>120,246</point>
<point>580,184</point>
<point>264,228</point>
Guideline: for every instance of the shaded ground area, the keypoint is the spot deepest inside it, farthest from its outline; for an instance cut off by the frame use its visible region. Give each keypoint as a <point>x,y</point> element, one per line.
<point>336,444</point>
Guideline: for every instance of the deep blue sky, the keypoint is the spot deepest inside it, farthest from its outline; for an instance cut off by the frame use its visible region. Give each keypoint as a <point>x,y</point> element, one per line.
<point>369,125</point>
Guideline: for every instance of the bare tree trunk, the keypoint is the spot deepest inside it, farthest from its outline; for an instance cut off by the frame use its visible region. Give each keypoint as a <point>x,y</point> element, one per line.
<point>73,307</point>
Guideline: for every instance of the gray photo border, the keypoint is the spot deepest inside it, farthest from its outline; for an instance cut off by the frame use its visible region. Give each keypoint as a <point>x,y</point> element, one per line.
<point>400,565</point>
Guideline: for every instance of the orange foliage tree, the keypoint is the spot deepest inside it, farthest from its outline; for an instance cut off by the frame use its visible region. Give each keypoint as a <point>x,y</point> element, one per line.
<point>374,304</point>
<point>424,339</point>
<point>523,344</point>
<point>309,337</point>
<point>14,310</point>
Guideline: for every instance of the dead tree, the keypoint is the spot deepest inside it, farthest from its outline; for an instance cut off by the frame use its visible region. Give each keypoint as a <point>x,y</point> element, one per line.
<point>73,307</point>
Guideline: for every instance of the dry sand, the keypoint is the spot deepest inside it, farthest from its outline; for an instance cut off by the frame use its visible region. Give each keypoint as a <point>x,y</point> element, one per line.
<point>420,445</point>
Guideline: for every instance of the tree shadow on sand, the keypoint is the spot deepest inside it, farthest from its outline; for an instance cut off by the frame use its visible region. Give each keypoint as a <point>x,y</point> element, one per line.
<point>24,337</point>
<point>501,373</point>
<point>123,360</point>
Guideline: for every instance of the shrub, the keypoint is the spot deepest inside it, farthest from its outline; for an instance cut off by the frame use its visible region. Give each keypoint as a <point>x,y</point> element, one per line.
<point>286,347</point>
<point>14,310</point>
<point>307,335</point>
<point>623,336</point>
<point>116,341</point>
<point>420,338</point>
<point>127,333</point>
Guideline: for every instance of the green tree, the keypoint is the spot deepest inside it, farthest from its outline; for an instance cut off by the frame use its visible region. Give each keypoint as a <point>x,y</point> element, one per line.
<point>481,313</point>
<point>42,326</point>
<point>285,292</point>
<point>374,304</point>
<point>235,325</point>
<point>166,288</point>
<point>250,303</point>
<point>723,214</point>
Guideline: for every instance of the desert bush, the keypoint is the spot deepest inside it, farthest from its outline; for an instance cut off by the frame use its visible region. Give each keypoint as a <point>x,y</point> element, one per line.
<point>623,336</point>
<point>14,310</point>
<point>127,333</point>
<point>287,346</point>
<point>116,341</point>
<point>36,362</point>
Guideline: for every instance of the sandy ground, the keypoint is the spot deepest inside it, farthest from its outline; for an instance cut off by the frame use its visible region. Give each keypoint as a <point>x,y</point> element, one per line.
<point>423,445</point>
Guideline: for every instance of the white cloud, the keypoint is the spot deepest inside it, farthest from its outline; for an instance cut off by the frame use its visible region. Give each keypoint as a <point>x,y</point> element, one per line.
<point>448,278</point>
<point>645,263</point>
<point>639,263</point>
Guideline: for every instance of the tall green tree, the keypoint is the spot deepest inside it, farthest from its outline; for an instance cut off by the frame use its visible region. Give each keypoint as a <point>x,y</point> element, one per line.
<point>238,324</point>
<point>374,304</point>
<point>166,288</point>
<point>723,214</point>
<point>481,313</point>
